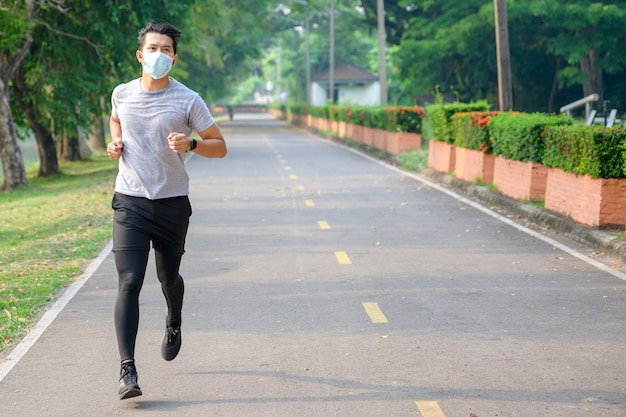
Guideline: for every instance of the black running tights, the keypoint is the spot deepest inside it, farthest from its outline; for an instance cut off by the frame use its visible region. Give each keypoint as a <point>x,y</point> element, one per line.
<point>131,268</point>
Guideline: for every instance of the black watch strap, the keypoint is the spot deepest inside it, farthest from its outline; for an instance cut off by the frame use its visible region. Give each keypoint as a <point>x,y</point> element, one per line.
<point>193,145</point>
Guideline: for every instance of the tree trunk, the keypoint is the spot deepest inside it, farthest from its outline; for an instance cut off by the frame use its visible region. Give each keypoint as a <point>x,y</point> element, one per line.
<point>69,147</point>
<point>555,85</point>
<point>98,136</point>
<point>83,147</point>
<point>590,67</point>
<point>48,161</point>
<point>10,153</point>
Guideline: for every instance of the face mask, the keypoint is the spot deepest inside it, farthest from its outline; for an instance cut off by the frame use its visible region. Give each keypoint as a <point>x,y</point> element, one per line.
<point>157,64</point>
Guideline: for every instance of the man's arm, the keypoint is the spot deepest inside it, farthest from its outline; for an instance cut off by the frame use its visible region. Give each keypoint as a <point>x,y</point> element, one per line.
<point>212,144</point>
<point>114,149</point>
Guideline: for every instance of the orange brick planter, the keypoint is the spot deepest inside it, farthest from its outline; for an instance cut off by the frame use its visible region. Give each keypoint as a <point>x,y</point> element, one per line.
<point>441,156</point>
<point>590,201</point>
<point>379,139</point>
<point>471,165</point>
<point>520,180</point>
<point>367,135</point>
<point>400,142</point>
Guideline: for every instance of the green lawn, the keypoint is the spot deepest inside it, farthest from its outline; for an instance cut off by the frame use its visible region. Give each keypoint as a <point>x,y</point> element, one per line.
<point>49,230</point>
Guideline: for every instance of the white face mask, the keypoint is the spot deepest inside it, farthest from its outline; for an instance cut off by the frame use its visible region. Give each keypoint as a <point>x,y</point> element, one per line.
<point>157,64</point>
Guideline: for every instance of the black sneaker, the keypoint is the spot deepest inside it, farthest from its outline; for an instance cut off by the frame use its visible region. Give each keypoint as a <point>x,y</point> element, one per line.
<point>128,381</point>
<point>171,343</point>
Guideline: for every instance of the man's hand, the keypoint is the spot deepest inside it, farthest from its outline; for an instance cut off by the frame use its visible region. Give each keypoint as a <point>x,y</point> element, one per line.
<point>178,142</point>
<point>114,149</point>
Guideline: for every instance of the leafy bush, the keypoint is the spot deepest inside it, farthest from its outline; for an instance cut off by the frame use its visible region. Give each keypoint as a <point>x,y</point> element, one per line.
<point>586,150</point>
<point>346,114</point>
<point>520,136</point>
<point>440,116</point>
<point>318,111</point>
<point>404,119</point>
<point>471,130</point>
<point>298,108</point>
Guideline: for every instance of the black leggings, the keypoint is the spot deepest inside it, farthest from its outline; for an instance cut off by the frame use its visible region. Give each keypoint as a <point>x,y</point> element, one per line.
<point>137,222</point>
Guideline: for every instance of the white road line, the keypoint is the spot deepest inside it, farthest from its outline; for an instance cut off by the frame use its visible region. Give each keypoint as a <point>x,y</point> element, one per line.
<point>477,206</point>
<point>46,320</point>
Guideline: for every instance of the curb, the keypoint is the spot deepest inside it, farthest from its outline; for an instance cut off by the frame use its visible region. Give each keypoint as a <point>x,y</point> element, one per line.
<point>599,240</point>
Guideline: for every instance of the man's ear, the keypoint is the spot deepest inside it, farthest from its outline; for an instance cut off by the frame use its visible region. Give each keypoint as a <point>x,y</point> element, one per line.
<point>175,60</point>
<point>139,56</point>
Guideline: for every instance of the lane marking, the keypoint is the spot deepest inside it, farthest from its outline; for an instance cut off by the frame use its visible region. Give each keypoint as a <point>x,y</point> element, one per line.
<point>430,409</point>
<point>343,258</point>
<point>46,320</point>
<point>299,188</point>
<point>479,207</point>
<point>309,203</point>
<point>375,313</point>
<point>323,225</point>
<point>287,168</point>
<point>293,177</point>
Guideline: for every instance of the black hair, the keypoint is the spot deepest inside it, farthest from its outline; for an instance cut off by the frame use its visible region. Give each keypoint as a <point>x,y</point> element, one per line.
<point>163,29</point>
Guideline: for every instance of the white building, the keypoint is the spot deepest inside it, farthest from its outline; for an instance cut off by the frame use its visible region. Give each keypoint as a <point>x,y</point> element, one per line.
<point>353,85</point>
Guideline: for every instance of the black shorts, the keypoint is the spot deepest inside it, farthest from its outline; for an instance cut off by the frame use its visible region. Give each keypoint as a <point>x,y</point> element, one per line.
<point>138,221</point>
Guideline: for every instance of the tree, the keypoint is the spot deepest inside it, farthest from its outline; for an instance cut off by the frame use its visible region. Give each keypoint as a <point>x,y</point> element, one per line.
<point>16,19</point>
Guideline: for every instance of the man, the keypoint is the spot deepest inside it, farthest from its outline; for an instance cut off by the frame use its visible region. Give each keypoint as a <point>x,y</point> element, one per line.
<point>152,120</point>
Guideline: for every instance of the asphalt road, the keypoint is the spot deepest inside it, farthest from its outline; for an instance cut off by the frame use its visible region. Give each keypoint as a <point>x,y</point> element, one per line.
<point>320,282</point>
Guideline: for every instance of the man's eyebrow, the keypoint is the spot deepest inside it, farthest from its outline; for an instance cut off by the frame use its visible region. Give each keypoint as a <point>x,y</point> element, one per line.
<point>156,44</point>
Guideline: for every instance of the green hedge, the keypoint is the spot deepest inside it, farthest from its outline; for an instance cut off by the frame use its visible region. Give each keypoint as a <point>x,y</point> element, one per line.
<point>407,119</point>
<point>298,108</point>
<point>440,117</point>
<point>596,151</point>
<point>471,130</point>
<point>520,136</point>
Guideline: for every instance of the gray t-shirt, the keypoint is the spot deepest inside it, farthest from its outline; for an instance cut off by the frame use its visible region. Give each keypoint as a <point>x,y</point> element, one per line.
<point>148,167</point>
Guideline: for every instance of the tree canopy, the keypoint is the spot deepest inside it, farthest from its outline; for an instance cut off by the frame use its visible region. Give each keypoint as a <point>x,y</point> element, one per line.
<point>60,59</point>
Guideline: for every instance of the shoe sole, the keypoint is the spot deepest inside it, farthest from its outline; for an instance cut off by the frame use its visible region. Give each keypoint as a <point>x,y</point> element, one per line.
<point>133,392</point>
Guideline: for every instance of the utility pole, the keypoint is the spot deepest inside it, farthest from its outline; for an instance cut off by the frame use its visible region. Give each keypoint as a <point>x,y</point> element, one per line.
<point>331,70</point>
<point>505,90</point>
<point>380,11</point>
<point>307,28</point>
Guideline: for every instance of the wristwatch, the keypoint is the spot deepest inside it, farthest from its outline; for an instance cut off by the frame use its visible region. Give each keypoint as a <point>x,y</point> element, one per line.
<point>193,144</point>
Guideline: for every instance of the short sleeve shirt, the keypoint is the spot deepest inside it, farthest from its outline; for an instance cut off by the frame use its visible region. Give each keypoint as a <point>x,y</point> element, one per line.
<point>148,167</point>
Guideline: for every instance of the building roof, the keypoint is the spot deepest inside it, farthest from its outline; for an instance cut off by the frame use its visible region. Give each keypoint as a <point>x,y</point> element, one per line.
<point>346,73</point>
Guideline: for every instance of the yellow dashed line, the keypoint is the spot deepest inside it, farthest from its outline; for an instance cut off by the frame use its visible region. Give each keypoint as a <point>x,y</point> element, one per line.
<point>375,313</point>
<point>299,188</point>
<point>323,225</point>
<point>309,203</point>
<point>343,258</point>
<point>430,409</point>
<point>287,168</point>
<point>293,177</point>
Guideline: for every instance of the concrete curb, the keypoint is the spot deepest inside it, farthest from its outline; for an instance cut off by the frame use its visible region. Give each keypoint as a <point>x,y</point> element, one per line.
<point>599,240</point>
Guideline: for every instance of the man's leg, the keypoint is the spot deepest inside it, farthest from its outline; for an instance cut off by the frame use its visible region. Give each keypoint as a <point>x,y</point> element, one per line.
<point>131,269</point>
<point>169,246</point>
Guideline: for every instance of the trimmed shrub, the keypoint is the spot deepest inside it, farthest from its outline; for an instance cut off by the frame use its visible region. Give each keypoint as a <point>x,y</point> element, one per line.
<point>596,151</point>
<point>471,130</point>
<point>298,108</point>
<point>520,136</point>
<point>440,116</point>
<point>404,119</point>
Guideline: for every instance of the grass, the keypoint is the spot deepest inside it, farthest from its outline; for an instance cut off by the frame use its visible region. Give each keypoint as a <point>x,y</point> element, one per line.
<point>49,229</point>
<point>413,160</point>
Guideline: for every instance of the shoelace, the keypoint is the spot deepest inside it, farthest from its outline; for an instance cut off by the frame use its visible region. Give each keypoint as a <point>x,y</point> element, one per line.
<point>128,374</point>
<point>172,335</point>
